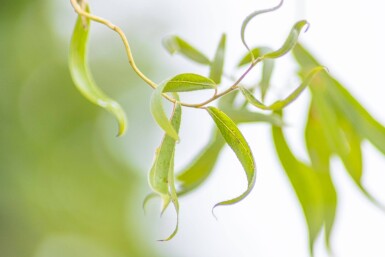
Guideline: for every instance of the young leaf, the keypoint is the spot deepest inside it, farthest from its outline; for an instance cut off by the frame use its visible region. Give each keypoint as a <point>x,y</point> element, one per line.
<point>188,82</point>
<point>82,77</point>
<point>216,69</point>
<point>250,17</point>
<point>159,114</point>
<point>290,42</point>
<point>306,184</point>
<point>161,177</point>
<point>175,44</point>
<point>201,167</point>
<point>238,144</point>
<point>367,127</point>
<point>278,105</point>
<point>320,154</point>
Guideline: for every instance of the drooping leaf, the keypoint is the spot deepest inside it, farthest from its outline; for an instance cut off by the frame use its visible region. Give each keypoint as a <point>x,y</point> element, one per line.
<point>306,184</point>
<point>290,42</point>
<point>354,122</point>
<point>250,17</point>
<point>201,167</point>
<point>278,105</point>
<point>82,77</point>
<point>320,154</point>
<point>159,114</point>
<point>188,82</point>
<point>175,44</point>
<point>239,145</point>
<point>161,176</point>
<point>216,68</point>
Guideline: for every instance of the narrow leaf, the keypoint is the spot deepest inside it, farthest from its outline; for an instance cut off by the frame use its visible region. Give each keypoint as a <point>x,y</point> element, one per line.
<point>320,154</point>
<point>216,68</point>
<point>290,42</point>
<point>82,77</point>
<point>159,114</point>
<point>201,167</point>
<point>306,184</point>
<point>175,44</point>
<point>188,82</point>
<point>251,16</point>
<point>161,177</point>
<point>278,105</point>
<point>238,144</point>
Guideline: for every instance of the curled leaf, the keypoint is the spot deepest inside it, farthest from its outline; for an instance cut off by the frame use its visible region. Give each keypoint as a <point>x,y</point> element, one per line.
<point>82,77</point>
<point>175,44</point>
<point>216,68</point>
<point>234,138</point>
<point>188,82</point>
<point>290,42</point>
<point>161,176</point>
<point>278,105</point>
<point>250,17</point>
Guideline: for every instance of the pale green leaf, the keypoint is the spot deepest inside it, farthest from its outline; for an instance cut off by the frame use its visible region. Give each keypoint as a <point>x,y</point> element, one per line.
<point>159,114</point>
<point>354,122</point>
<point>290,42</point>
<point>82,77</point>
<point>278,105</point>
<point>320,154</point>
<point>306,184</point>
<point>216,68</point>
<point>188,82</point>
<point>201,167</point>
<point>175,44</point>
<point>161,176</point>
<point>238,144</point>
<point>254,53</point>
<point>251,16</point>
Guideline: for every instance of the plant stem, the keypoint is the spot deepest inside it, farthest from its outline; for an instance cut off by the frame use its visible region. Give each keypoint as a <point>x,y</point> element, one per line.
<point>79,9</point>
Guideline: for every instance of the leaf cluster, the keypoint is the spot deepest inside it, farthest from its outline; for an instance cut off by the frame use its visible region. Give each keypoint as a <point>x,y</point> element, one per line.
<point>337,123</point>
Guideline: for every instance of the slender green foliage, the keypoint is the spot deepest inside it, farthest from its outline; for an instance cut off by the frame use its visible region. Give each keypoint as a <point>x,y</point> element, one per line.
<point>337,123</point>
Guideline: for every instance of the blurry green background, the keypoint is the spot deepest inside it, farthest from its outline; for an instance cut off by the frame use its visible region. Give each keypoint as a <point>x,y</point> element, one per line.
<point>63,191</point>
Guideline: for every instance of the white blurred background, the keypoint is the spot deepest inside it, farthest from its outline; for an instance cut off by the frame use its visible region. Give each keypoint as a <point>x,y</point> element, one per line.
<point>346,36</point>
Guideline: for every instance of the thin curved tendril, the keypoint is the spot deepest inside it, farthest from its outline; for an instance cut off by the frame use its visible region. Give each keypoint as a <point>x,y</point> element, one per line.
<point>249,18</point>
<point>79,10</point>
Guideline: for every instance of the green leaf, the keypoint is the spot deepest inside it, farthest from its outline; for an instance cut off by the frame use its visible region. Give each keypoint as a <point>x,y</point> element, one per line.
<point>278,105</point>
<point>306,184</point>
<point>367,126</point>
<point>188,82</point>
<point>251,16</point>
<point>290,42</point>
<point>354,122</point>
<point>201,167</point>
<point>82,77</point>
<point>161,176</point>
<point>175,44</point>
<point>159,114</point>
<point>216,68</point>
<point>320,154</point>
<point>238,144</point>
